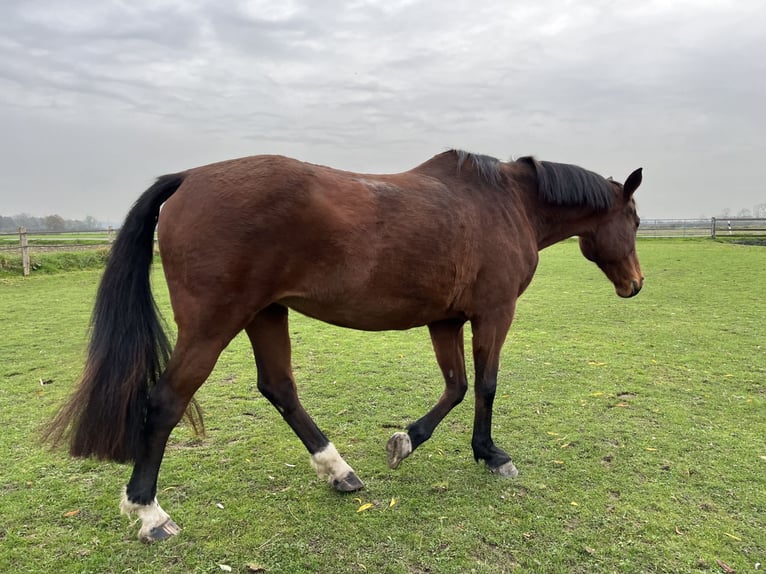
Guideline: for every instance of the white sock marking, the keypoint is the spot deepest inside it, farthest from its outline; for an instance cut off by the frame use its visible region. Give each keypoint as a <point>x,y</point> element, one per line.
<point>328,463</point>
<point>151,515</point>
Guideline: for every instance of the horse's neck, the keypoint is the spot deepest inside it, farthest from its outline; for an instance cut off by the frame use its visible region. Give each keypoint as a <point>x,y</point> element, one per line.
<point>555,223</point>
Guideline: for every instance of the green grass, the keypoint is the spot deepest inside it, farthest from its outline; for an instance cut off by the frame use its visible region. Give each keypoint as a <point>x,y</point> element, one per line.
<point>638,428</point>
<point>52,262</point>
<point>54,252</point>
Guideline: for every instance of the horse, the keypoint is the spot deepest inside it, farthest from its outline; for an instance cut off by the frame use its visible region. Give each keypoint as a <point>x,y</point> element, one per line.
<point>452,241</point>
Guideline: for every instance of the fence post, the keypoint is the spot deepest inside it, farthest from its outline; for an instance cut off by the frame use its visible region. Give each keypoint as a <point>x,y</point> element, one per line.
<point>24,250</point>
<point>110,234</point>
<point>712,228</point>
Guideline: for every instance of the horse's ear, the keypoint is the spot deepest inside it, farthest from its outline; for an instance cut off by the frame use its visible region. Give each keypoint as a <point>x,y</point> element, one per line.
<point>632,183</point>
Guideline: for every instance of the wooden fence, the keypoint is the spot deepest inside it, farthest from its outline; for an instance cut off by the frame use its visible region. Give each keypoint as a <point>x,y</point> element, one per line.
<point>737,226</point>
<point>40,241</point>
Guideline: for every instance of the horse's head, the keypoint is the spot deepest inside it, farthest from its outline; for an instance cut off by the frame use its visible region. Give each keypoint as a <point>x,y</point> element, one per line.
<point>611,242</point>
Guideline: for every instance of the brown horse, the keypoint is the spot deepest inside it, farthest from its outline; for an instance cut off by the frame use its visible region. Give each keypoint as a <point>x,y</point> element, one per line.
<point>451,241</point>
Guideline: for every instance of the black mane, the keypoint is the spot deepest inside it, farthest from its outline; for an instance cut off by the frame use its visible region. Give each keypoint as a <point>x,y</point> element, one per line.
<point>487,167</point>
<point>570,185</point>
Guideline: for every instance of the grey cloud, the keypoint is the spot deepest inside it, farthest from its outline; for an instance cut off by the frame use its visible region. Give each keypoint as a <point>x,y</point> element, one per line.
<point>141,87</point>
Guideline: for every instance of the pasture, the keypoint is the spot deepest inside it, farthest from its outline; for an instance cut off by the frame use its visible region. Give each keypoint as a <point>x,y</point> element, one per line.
<point>638,427</point>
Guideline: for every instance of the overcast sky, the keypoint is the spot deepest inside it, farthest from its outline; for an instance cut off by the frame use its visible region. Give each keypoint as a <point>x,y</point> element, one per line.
<point>98,97</point>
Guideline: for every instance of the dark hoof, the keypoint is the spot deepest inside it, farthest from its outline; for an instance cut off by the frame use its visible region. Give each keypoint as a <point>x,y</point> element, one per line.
<point>398,448</point>
<point>164,531</point>
<point>349,483</point>
<point>508,470</point>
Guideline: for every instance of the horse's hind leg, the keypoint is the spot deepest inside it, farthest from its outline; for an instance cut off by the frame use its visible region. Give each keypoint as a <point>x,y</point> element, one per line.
<point>191,363</point>
<point>270,338</point>
<point>447,339</point>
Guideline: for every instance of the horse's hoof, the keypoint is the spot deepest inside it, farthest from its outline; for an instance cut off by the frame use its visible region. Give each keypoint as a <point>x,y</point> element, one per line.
<point>349,483</point>
<point>398,448</point>
<point>507,470</point>
<point>162,532</point>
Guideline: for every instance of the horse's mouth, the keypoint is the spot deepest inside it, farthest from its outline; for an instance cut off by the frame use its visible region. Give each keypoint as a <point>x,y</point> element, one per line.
<point>630,290</point>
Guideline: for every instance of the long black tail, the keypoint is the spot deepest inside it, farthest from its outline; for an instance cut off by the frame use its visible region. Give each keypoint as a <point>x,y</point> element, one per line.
<point>128,348</point>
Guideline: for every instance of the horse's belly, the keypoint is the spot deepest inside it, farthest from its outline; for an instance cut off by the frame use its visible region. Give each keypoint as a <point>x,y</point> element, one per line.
<point>368,315</point>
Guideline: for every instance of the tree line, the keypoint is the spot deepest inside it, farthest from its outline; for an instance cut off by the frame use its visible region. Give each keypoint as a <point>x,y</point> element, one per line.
<point>758,210</point>
<point>54,223</point>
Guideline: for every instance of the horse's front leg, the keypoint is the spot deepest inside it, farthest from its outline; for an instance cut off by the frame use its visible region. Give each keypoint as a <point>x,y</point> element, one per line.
<point>488,339</point>
<point>447,339</point>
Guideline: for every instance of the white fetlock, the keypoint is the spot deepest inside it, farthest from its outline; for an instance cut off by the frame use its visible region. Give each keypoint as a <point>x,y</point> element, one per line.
<point>329,464</point>
<point>156,524</point>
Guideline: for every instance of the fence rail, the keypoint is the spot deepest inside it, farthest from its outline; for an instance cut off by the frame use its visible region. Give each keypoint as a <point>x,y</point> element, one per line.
<point>48,241</point>
<point>737,226</point>
<point>674,228</point>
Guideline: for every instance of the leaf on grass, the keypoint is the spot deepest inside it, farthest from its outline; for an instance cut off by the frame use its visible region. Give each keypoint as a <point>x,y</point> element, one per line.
<point>573,503</point>
<point>558,462</point>
<point>733,537</point>
<point>650,449</point>
<point>72,513</point>
<point>763,457</point>
<point>225,567</point>
<point>219,505</point>
<point>365,506</point>
<point>551,433</point>
<point>254,568</point>
<point>622,405</point>
<point>725,567</point>
<point>392,503</point>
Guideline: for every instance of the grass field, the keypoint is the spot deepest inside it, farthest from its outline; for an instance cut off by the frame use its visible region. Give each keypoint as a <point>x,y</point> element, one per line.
<point>638,427</point>
<point>54,252</point>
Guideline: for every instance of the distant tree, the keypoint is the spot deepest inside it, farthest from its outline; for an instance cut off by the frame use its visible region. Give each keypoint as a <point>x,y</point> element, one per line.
<point>11,224</point>
<point>759,210</point>
<point>28,221</point>
<point>55,223</point>
<point>91,224</point>
<point>744,213</point>
<point>7,224</point>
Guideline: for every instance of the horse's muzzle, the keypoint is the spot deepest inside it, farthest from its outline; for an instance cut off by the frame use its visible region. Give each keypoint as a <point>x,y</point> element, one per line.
<point>632,290</point>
